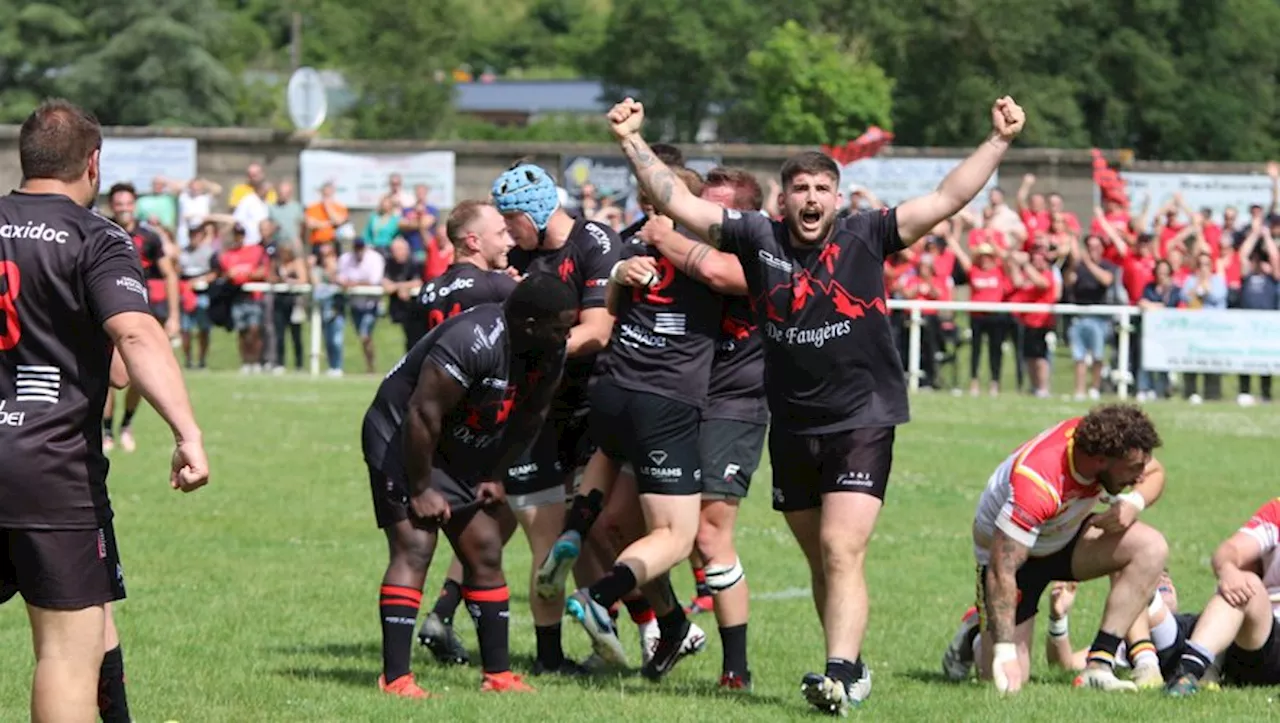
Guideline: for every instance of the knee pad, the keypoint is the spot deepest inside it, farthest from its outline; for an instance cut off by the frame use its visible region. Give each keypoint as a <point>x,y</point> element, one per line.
<point>723,577</point>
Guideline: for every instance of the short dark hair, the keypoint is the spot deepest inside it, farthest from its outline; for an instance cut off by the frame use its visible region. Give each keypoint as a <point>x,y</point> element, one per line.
<point>122,187</point>
<point>747,193</point>
<point>668,154</point>
<point>56,141</point>
<point>540,296</point>
<point>1112,430</point>
<point>811,162</point>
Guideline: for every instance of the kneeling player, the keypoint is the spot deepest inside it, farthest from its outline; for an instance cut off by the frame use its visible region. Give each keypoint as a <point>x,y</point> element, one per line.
<point>1034,525</point>
<point>442,430</point>
<point>1240,619</point>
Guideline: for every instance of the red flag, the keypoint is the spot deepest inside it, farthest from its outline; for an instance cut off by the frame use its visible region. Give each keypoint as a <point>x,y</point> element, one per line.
<point>864,146</point>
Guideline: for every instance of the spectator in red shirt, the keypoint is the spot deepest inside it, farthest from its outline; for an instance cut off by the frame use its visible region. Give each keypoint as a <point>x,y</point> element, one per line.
<point>1177,259</point>
<point>1032,207</point>
<point>927,285</point>
<point>1117,215</point>
<point>1167,226</point>
<point>988,233</point>
<point>1059,238</point>
<point>241,264</point>
<point>1032,279</point>
<point>987,284</point>
<point>1056,208</point>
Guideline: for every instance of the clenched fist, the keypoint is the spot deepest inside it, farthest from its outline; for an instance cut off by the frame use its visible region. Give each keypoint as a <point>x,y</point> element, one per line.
<point>1007,118</point>
<point>626,117</point>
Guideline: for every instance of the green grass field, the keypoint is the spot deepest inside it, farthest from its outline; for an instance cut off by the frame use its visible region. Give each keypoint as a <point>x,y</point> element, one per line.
<point>255,598</point>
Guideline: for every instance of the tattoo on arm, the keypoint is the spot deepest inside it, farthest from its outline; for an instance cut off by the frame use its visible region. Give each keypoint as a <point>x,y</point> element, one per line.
<point>713,234</point>
<point>639,152</point>
<point>1002,586</point>
<point>664,186</point>
<point>693,262</point>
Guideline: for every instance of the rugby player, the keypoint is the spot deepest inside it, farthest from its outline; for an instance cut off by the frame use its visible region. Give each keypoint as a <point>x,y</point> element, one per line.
<point>646,411</point>
<point>835,385</point>
<point>159,264</point>
<point>1035,524</point>
<point>71,288</point>
<point>443,428</point>
<point>581,253</point>
<point>1237,629</point>
<point>479,275</point>
<point>733,423</point>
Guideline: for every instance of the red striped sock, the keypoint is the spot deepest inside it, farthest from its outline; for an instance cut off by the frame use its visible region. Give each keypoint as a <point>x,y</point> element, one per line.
<point>489,608</point>
<point>398,607</point>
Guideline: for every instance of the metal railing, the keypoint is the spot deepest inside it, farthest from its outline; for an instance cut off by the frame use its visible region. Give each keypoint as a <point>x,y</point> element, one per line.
<point>1123,314</point>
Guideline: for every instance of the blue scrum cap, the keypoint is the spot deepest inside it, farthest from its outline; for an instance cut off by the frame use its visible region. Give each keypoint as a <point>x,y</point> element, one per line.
<point>529,189</point>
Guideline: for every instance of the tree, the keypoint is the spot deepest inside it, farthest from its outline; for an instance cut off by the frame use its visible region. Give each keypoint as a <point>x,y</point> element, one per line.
<point>679,58</point>
<point>151,64</point>
<point>804,88</point>
<point>396,57</point>
<point>37,40</point>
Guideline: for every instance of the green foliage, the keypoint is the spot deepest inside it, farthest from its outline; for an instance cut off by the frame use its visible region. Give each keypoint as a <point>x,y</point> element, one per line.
<point>36,40</point>
<point>151,64</point>
<point>677,58</point>
<point>803,88</point>
<point>1175,79</point>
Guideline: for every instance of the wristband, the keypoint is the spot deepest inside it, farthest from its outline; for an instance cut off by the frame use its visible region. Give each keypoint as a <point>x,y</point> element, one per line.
<point>1134,499</point>
<point>1058,628</point>
<point>1005,653</point>
<point>613,274</point>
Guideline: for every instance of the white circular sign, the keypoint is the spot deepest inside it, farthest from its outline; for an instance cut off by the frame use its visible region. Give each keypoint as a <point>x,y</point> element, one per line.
<point>306,99</point>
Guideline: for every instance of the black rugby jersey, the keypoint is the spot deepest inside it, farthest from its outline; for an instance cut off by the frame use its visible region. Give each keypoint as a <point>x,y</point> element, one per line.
<point>459,288</point>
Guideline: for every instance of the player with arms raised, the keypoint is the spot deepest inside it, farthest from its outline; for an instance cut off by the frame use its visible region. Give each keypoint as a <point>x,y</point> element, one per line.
<point>443,428</point>
<point>1035,524</point>
<point>835,384</point>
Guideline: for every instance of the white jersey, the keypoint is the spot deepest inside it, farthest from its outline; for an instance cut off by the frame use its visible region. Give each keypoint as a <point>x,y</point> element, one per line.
<point>1264,527</point>
<point>1036,497</point>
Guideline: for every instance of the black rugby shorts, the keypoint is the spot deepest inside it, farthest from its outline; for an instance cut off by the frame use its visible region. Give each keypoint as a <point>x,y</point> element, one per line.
<point>808,466</point>
<point>61,569</point>
<point>656,435</point>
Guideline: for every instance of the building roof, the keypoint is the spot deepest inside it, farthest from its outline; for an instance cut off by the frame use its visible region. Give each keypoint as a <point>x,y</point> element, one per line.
<point>531,96</point>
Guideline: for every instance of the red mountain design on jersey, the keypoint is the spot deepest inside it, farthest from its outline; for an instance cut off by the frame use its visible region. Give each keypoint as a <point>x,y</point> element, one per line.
<point>805,287</point>
<point>566,270</point>
<point>829,255</point>
<point>500,411</point>
<point>735,329</point>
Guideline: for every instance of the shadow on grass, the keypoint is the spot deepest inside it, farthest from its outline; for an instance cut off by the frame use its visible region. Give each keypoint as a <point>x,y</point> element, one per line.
<point>349,651</point>
<point>366,678</point>
<point>932,677</point>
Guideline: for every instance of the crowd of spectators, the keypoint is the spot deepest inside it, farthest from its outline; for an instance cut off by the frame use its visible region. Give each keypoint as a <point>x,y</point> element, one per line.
<point>1036,251</point>
<point>1032,250</point>
<point>262,233</point>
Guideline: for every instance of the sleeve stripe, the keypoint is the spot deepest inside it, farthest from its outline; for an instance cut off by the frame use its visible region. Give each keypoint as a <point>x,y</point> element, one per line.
<point>1020,535</point>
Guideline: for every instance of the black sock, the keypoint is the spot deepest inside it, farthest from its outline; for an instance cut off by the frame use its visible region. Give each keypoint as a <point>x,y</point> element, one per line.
<point>447,603</point>
<point>1104,649</point>
<point>583,512</point>
<point>674,625</point>
<point>733,640</point>
<point>127,420</point>
<point>490,610</point>
<point>613,586</point>
<point>107,424</point>
<point>113,705</point>
<point>398,607</point>
<point>1195,660</point>
<point>550,651</point>
<point>700,582</point>
<point>639,608</point>
<point>845,671</point>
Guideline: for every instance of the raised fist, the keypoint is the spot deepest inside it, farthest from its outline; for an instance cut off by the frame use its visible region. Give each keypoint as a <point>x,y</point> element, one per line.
<point>1007,118</point>
<point>626,117</point>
